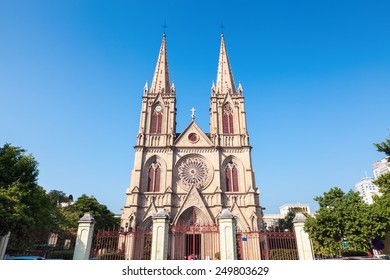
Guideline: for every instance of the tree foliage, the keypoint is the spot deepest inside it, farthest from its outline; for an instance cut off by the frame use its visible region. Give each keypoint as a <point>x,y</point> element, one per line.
<point>287,222</point>
<point>57,197</point>
<point>381,205</point>
<point>26,208</point>
<point>24,205</point>
<point>344,219</point>
<point>341,223</point>
<point>384,147</point>
<point>104,218</point>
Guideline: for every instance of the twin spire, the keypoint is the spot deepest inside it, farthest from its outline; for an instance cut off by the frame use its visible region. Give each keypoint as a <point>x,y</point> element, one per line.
<point>161,82</point>
<point>225,81</point>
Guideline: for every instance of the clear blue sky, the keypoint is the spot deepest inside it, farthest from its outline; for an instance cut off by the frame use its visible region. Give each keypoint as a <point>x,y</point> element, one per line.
<point>316,78</point>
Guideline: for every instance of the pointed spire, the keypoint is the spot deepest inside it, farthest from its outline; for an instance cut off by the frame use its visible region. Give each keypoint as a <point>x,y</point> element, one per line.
<point>225,82</point>
<point>160,83</point>
<point>173,88</point>
<point>213,88</point>
<point>240,90</point>
<point>146,88</point>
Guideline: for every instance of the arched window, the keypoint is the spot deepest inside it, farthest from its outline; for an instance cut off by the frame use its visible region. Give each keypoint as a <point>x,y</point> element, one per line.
<point>231,173</point>
<point>227,119</point>
<point>156,122</point>
<point>154,177</point>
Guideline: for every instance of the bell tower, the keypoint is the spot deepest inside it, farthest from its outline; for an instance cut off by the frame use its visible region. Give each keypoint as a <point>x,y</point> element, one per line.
<point>227,111</point>
<point>158,114</point>
<point>151,177</point>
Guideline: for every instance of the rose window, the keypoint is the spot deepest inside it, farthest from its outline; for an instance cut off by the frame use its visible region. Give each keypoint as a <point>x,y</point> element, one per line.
<point>193,172</point>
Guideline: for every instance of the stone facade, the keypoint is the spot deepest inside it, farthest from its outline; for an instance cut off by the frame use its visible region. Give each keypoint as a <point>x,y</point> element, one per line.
<point>193,175</point>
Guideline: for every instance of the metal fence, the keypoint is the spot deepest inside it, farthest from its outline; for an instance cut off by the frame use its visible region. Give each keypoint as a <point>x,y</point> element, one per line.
<point>55,245</point>
<point>267,245</point>
<point>113,244</point>
<point>194,242</point>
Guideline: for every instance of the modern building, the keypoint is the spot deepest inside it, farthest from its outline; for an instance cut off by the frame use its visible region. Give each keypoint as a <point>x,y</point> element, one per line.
<point>367,189</point>
<point>298,207</point>
<point>381,167</point>
<point>271,220</point>
<point>192,174</point>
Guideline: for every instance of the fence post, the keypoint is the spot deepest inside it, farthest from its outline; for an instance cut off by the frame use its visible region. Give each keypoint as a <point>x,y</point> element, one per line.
<point>3,244</point>
<point>160,235</point>
<point>84,237</point>
<point>305,250</point>
<point>227,235</point>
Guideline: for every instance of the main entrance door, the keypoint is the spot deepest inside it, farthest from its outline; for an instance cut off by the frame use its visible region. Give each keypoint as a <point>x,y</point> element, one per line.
<point>191,238</point>
<point>193,241</point>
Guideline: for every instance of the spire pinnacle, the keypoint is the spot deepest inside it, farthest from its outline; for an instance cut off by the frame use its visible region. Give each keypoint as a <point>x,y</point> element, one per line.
<point>160,83</point>
<point>193,110</point>
<point>146,88</point>
<point>225,82</point>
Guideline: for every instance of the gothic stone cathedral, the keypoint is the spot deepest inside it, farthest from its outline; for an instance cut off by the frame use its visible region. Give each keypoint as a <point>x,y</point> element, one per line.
<point>193,175</point>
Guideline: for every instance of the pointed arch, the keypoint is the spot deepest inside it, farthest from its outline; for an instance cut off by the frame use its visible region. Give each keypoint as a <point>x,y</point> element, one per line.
<point>153,175</point>
<point>156,126</point>
<point>147,224</point>
<point>193,215</point>
<point>231,173</point>
<point>227,119</point>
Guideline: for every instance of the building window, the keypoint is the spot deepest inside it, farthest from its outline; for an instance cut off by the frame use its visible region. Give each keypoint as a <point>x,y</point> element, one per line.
<point>227,119</point>
<point>156,122</point>
<point>231,173</point>
<point>154,177</point>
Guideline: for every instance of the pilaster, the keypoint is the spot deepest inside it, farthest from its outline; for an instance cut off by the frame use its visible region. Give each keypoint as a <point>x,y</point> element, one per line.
<point>160,235</point>
<point>84,237</point>
<point>305,250</point>
<point>227,235</point>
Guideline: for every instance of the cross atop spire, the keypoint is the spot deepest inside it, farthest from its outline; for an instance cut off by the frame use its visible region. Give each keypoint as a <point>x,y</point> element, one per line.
<point>165,26</point>
<point>225,82</point>
<point>222,27</point>
<point>160,83</point>
<point>193,110</point>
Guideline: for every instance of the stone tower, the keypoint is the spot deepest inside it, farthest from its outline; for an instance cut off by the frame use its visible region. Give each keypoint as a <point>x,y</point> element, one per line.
<point>192,174</point>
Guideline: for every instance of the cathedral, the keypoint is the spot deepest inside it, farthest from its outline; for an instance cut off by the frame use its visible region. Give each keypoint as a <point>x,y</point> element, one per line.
<point>192,174</point>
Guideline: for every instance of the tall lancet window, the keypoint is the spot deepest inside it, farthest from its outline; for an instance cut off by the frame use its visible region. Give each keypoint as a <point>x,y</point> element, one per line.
<point>154,177</point>
<point>157,119</point>
<point>227,119</point>
<point>231,173</point>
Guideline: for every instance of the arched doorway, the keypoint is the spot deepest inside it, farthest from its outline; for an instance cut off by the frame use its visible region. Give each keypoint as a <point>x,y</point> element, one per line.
<point>194,236</point>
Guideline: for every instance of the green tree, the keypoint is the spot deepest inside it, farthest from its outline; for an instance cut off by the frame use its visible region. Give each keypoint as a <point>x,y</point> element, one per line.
<point>29,212</point>
<point>24,205</point>
<point>380,209</point>
<point>384,147</point>
<point>287,222</point>
<point>104,218</point>
<point>342,219</point>
<point>57,197</point>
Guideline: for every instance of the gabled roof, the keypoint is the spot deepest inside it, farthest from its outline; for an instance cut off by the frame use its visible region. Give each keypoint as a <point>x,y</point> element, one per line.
<point>194,136</point>
<point>235,209</point>
<point>194,199</point>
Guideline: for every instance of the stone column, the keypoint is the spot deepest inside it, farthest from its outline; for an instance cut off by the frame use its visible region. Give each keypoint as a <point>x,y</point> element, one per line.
<point>305,249</point>
<point>84,237</point>
<point>160,235</point>
<point>227,235</point>
<point>3,244</point>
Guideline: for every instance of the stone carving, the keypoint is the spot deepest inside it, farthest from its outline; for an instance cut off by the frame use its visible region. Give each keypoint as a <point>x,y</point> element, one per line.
<point>193,171</point>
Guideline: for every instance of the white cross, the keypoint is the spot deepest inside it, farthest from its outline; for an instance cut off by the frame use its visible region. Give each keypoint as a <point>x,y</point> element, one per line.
<point>193,113</point>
